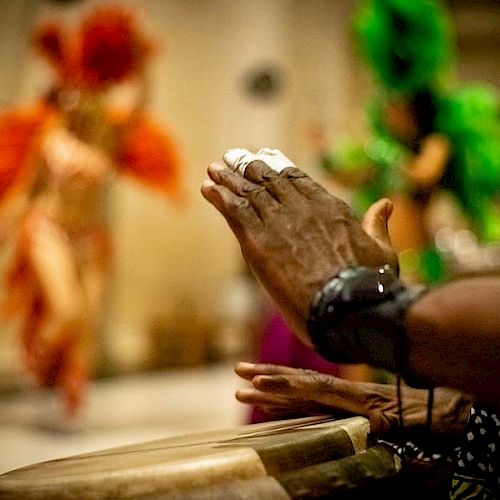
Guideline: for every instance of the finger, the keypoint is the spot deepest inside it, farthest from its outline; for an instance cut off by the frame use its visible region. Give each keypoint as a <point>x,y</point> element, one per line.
<point>258,171</point>
<point>237,211</point>
<point>276,183</point>
<point>264,169</point>
<point>239,159</point>
<point>270,167</point>
<point>278,405</point>
<point>316,391</point>
<point>250,370</point>
<point>278,412</point>
<point>376,219</point>
<point>258,398</point>
<point>308,385</point>
<point>245,370</point>
<point>259,197</point>
<point>272,383</point>
<point>303,183</point>
<point>221,174</point>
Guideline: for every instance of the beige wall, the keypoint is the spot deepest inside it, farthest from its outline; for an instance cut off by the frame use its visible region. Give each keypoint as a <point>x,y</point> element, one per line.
<point>167,258</point>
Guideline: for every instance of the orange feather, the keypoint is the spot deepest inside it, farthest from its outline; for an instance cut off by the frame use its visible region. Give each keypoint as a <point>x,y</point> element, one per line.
<point>19,135</point>
<point>148,154</point>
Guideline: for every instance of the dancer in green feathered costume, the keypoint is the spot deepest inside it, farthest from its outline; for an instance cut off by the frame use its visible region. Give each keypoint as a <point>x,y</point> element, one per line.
<point>426,133</point>
<point>469,116</point>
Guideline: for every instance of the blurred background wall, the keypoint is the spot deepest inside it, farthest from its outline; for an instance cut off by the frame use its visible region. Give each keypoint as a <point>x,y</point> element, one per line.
<point>231,73</point>
<point>172,263</point>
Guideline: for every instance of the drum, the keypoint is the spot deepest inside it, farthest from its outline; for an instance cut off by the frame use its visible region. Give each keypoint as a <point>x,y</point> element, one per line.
<point>295,458</point>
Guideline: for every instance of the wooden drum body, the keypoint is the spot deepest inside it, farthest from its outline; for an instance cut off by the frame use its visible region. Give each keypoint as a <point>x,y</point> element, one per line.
<point>299,458</point>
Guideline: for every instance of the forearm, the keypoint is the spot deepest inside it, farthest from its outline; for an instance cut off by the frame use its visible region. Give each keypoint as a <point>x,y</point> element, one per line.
<point>446,337</point>
<point>428,166</point>
<point>379,403</point>
<point>453,337</point>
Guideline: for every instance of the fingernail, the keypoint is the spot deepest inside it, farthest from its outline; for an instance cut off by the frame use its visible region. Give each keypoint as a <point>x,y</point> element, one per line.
<point>208,183</point>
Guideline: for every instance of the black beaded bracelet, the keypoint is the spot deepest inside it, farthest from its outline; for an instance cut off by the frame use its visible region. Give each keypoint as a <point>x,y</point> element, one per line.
<point>359,317</point>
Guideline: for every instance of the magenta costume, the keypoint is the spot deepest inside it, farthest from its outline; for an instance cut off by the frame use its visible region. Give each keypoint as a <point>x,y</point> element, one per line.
<point>281,347</point>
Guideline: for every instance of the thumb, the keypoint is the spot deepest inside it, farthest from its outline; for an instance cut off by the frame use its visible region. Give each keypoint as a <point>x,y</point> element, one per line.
<point>375,221</point>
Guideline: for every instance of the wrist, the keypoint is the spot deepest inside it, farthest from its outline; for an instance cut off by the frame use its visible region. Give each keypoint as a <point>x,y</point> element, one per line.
<point>359,317</point>
<point>340,301</point>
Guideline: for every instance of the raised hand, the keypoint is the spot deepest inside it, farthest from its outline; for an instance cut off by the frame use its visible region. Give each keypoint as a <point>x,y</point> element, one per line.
<point>293,233</point>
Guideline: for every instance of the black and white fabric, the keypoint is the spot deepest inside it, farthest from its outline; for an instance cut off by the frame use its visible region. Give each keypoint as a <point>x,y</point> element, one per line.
<point>477,467</point>
<point>475,459</point>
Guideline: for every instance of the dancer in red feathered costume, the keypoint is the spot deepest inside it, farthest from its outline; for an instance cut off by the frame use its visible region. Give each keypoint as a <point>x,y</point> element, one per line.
<point>57,161</point>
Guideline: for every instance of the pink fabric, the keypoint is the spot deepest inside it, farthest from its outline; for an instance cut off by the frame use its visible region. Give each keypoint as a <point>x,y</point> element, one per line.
<point>281,347</point>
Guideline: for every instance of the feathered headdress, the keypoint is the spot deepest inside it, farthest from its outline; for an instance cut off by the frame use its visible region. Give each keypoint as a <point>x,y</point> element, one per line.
<point>106,48</point>
<point>406,43</point>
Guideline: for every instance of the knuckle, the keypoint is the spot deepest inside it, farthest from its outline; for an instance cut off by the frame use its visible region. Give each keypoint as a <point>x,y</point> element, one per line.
<point>339,212</point>
<point>240,204</point>
<point>346,209</point>
<point>252,189</point>
<point>322,381</point>
<point>271,176</point>
<point>306,372</point>
<point>275,182</point>
<point>281,381</point>
<point>257,164</point>
<point>256,168</point>
<point>224,174</point>
<point>293,173</point>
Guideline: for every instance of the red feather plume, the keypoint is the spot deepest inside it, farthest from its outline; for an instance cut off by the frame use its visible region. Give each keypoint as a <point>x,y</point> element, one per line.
<point>147,153</point>
<point>19,131</point>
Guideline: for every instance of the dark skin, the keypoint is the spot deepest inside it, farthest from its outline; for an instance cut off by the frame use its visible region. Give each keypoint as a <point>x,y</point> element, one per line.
<point>296,236</point>
<point>287,225</point>
<point>291,392</point>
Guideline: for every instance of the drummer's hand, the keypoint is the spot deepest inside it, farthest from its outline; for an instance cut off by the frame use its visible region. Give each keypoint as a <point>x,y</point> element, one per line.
<point>283,391</point>
<point>294,234</point>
